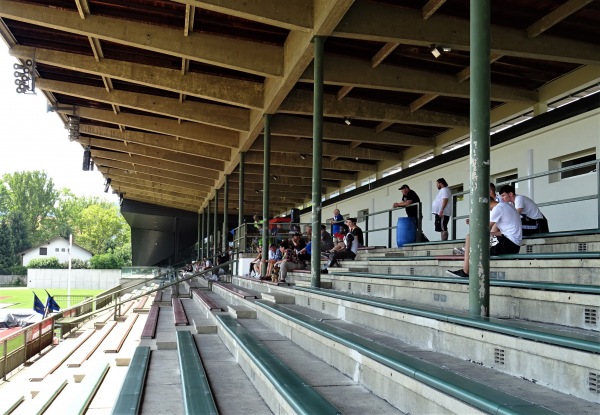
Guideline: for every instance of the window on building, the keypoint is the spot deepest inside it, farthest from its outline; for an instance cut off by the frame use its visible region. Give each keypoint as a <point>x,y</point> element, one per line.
<point>63,250</point>
<point>362,215</point>
<point>56,249</point>
<point>43,251</point>
<point>504,177</point>
<point>581,170</point>
<point>572,159</point>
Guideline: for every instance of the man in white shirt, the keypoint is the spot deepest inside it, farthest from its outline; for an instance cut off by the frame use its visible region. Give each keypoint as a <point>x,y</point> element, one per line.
<point>442,208</point>
<point>532,219</point>
<point>505,232</point>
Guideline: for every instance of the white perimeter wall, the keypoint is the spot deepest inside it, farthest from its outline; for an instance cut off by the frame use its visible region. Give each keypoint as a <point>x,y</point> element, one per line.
<point>81,279</point>
<point>528,154</point>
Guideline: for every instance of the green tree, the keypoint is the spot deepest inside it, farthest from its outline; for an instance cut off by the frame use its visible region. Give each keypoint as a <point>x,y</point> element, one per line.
<point>66,215</point>
<point>7,251</point>
<point>16,223</point>
<point>102,228</point>
<point>32,193</point>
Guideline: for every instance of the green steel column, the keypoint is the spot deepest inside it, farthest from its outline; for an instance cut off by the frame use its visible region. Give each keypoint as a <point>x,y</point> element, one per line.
<point>203,234</point>
<point>479,261</point>
<point>216,227</point>
<point>199,235</point>
<point>315,263</point>
<point>241,231</point>
<point>208,229</point>
<point>225,245</point>
<point>266,191</point>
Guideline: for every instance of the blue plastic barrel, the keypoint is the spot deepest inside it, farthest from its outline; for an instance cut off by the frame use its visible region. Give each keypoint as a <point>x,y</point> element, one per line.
<point>406,231</point>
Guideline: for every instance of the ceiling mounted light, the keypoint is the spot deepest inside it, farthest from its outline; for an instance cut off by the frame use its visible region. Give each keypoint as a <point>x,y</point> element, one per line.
<point>347,121</point>
<point>303,156</point>
<point>257,191</point>
<point>274,177</point>
<point>437,51</point>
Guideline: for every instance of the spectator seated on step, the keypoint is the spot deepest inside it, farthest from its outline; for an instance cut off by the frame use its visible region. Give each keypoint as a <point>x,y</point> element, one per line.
<point>532,219</point>
<point>326,239</point>
<point>505,234</point>
<point>275,255</point>
<point>289,262</point>
<point>347,250</point>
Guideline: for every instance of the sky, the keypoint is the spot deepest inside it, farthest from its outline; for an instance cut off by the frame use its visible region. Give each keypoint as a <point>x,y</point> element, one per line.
<point>33,139</point>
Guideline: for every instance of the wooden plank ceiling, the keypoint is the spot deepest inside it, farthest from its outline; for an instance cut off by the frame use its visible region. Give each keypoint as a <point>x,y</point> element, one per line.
<point>170,92</point>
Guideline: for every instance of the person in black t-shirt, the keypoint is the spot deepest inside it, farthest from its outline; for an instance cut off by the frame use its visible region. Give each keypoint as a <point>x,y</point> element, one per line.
<point>410,197</point>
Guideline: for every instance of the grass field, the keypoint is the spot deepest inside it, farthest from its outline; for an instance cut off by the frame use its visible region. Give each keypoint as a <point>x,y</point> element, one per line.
<point>23,297</point>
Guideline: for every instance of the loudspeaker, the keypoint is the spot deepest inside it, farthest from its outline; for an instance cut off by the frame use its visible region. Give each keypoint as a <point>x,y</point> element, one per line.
<point>87,158</point>
<point>295,215</point>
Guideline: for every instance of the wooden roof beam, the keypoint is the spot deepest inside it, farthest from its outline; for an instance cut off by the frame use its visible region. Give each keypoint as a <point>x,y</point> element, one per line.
<point>406,26</point>
<point>215,88</point>
<point>200,112</point>
<point>246,56</point>
<point>191,131</point>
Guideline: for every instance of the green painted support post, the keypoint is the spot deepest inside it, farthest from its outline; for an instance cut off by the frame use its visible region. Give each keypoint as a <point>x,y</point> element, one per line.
<point>216,228</point>
<point>479,261</point>
<point>203,234</point>
<point>266,191</point>
<point>225,244</point>
<point>207,255</point>
<point>315,265</point>
<point>241,231</point>
<point>199,236</point>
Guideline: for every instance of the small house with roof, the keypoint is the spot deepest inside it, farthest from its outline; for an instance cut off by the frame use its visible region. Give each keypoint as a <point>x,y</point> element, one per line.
<point>57,247</point>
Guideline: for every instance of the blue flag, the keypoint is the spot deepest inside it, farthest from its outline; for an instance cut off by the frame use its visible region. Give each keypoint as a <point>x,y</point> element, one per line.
<point>51,305</point>
<point>38,306</point>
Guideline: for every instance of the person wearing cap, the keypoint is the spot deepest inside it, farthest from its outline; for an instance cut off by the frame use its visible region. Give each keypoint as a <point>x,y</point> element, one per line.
<point>442,208</point>
<point>410,197</point>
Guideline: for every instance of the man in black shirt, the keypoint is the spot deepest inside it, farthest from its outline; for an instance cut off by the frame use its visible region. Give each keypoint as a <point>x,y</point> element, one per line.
<point>410,197</point>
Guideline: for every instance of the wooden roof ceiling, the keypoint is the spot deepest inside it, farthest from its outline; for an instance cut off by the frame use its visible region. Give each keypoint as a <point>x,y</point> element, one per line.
<point>170,92</point>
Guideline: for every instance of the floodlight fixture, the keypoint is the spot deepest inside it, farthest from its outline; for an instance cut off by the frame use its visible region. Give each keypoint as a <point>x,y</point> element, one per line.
<point>347,121</point>
<point>25,77</point>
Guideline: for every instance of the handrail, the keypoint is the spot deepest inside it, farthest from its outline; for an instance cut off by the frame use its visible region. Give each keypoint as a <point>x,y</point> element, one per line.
<point>596,196</point>
<point>390,226</point>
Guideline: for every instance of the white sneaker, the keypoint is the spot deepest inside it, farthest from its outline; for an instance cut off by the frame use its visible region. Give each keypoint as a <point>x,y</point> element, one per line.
<point>458,251</point>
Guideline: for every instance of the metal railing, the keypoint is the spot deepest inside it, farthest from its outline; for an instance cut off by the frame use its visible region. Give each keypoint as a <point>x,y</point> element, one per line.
<point>596,195</point>
<point>390,226</point>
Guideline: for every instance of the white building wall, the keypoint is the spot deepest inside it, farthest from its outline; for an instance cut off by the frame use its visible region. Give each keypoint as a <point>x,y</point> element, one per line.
<point>528,154</point>
<point>58,248</point>
<point>81,279</point>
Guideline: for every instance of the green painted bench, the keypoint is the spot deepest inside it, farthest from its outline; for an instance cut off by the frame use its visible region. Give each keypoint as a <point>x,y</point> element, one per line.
<point>532,285</point>
<point>129,400</point>
<point>460,387</point>
<point>197,395</point>
<point>302,397</point>
<point>585,342</point>
<point>580,232</point>
<point>525,256</point>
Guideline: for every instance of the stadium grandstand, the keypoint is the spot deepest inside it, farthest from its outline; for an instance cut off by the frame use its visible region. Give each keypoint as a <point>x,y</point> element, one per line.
<point>226,125</point>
